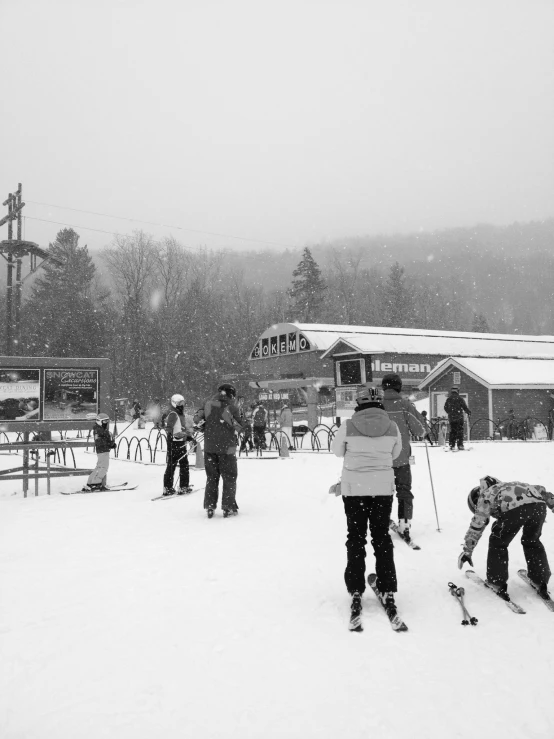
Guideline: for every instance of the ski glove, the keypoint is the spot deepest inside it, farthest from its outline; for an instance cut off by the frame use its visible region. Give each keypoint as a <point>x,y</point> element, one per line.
<point>465,557</point>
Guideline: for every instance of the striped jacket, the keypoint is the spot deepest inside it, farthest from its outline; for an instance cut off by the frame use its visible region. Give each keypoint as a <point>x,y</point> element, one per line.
<point>369,441</point>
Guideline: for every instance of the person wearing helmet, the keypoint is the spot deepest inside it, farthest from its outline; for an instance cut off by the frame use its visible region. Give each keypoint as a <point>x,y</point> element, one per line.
<point>368,442</point>
<point>260,417</point>
<point>103,443</point>
<point>220,419</point>
<point>178,431</point>
<point>515,506</point>
<point>409,421</point>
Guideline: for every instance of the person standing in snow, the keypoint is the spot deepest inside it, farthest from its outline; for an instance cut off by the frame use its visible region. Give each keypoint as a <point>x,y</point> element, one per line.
<point>455,407</point>
<point>259,425</point>
<point>285,424</point>
<point>427,427</point>
<point>408,420</point>
<point>368,442</point>
<point>178,431</point>
<point>220,420</point>
<point>103,443</point>
<point>515,506</point>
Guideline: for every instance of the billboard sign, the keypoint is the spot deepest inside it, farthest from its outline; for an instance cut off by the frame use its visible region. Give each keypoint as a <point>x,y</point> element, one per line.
<point>70,393</point>
<point>19,394</point>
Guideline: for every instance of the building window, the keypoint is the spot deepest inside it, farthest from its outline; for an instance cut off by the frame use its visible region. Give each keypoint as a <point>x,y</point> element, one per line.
<point>457,378</point>
<point>350,372</point>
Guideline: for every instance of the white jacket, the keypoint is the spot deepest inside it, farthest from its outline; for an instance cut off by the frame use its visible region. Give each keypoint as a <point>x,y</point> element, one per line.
<point>369,442</point>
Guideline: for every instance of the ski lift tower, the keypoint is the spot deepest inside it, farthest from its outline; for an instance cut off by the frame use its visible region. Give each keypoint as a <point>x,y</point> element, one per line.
<point>13,250</point>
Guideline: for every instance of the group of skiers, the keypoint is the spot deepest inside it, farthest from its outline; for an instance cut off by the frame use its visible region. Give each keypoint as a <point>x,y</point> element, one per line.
<point>375,446</point>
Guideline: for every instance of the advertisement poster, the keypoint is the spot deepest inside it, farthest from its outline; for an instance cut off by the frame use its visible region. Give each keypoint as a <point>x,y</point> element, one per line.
<point>70,394</point>
<point>19,394</point>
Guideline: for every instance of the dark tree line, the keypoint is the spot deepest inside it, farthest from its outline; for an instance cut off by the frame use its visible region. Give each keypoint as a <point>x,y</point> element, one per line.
<point>176,320</point>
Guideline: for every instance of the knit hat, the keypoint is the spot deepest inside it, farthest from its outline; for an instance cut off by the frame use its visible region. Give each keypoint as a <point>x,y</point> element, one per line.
<point>392,381</point>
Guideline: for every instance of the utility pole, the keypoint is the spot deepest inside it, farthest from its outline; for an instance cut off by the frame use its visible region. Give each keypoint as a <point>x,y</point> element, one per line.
<point>13,251</point>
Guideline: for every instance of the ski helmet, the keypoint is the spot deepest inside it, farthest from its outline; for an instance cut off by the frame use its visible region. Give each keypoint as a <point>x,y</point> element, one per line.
<point>102,419</point>
<point>472,498</point>
<point>177,400</point>
<point>227,390</point>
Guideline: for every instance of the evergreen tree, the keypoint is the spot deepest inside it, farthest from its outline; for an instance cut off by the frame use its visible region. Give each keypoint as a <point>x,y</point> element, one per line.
<point>63,317</point>
<point>307,289</point>
<point>398,299</point>
<point>480,324</point>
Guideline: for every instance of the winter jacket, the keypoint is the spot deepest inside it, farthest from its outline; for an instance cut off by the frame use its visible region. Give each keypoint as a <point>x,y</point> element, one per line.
<point>259,417</point>
<point>406,417</point>
<point>178,426</point>
<point>455,406</point>
<point>219,419</point>
<point>499,499</point>
<point>369,441</point>
<point>103,440</point>
<point>285,417</point>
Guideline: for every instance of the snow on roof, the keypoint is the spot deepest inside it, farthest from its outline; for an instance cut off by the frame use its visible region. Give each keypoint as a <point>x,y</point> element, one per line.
<point>501,372</point>
<point>383,340</point>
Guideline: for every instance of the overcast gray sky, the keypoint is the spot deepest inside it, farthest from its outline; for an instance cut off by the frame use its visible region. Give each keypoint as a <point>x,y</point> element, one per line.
<point>284,121</point>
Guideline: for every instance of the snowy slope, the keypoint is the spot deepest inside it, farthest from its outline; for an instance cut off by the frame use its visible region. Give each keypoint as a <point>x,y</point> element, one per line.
<point>127,619</point>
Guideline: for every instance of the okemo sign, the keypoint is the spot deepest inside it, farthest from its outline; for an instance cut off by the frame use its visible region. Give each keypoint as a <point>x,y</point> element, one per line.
<point>273,346</point>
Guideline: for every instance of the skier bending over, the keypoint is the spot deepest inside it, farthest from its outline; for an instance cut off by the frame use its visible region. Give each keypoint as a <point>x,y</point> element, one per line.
<point>515,506</point>
<point>369,441</point>
<point>103,442</point>
<point>178,431</point>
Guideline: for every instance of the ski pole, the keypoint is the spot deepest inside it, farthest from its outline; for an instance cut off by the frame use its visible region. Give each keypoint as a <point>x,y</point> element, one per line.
<point>432,486</point>
<point>458,593</point>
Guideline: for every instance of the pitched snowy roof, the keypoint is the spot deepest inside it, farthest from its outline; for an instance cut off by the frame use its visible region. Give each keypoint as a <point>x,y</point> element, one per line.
<point>499,373</point>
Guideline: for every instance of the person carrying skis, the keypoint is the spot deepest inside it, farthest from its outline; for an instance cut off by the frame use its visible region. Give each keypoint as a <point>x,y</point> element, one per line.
<point>259,425</point>
<point>220,420</point>
<point>178,431</point>
<point>368,442</point>
<point>408,420</point>
<point>103,443</point>
<point>455,407</point>
<point>515,506</point>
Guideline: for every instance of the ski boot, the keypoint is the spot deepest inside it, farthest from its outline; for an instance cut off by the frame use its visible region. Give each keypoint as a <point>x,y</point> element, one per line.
<point>387,599</point>
<point>356,612</point>
<point>227,512</point>
<point>185,490</point>
<point>210,512</point>
<point>404,529</point>
<point>500,590</point>
<point>168,491</point>
<point>93,487</point>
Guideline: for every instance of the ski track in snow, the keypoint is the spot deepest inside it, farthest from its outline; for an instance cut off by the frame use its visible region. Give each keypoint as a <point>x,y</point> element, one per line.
<point>128,619</point>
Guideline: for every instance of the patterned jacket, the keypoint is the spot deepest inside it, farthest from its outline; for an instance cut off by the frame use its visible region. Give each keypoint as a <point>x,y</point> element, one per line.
<point>499,499</point>
<point>369,441</point>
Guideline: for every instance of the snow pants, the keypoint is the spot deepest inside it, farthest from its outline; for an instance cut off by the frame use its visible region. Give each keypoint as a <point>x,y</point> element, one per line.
<point>360,511</point>
<point>259,437</point>
<point>403,484</point>
<point>456,433</point>
<point>225,466</point>
<point>530,518</point>
<point>100,472</point>
<point>177,455</point>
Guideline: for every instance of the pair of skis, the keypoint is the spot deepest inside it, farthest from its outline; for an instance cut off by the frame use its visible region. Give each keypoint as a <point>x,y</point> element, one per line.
<point>356,610</point>
<point>107,489</point>
<point>548,602</point>
<point>176,494</point>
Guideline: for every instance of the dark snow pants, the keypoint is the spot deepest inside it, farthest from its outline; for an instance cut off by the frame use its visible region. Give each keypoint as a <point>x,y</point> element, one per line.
<point>530,518</point>
<point>225,466</point>
<point>456,433</point>
<point>375,511</point>
<point>177,455</point>
<point>403,484</point>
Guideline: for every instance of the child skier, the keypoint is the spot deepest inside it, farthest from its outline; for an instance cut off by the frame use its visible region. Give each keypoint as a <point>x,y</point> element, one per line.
<point>103,442</point>
<point>515,506</point>
<point>179,431</point>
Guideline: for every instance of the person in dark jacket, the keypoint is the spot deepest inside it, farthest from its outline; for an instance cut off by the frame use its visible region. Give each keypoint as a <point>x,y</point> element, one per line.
<point>103,443</point>
<point>455,407</point>
<point>220,420</point>
<point>427,426</point>
<point>179,431</point>
<point>408,420</point>
<point>515,506</point>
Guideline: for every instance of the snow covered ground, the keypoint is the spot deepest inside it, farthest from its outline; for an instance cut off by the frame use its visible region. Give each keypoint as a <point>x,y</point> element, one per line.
<point>129,619</point>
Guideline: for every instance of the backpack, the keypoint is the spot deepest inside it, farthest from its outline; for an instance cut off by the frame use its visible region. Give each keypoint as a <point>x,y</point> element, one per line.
<point>258,419</point>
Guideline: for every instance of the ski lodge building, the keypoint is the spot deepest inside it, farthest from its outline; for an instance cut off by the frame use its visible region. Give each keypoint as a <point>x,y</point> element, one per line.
<point>495,372</point>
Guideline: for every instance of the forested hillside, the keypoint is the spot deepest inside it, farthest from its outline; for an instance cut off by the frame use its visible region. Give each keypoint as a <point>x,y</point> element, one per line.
<point>173,318</point>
